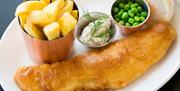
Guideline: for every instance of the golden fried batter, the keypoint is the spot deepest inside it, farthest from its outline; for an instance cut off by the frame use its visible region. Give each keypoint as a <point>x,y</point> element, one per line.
<point>112,67</point>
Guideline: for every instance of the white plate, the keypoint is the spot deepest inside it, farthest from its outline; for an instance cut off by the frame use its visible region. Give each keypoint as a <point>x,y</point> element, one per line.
<point>14,53</point>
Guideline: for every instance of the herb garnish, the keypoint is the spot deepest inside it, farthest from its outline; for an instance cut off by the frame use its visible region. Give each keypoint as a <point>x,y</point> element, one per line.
<point>111,32</point>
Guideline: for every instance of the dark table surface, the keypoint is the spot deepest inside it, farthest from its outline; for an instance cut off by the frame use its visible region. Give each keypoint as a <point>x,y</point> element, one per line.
<point>7,8</point>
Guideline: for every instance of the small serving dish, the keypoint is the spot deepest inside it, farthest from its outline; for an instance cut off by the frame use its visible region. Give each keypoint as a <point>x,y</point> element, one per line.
<point>130,15</point>
<point>49,51</point>
<point>87,20</point>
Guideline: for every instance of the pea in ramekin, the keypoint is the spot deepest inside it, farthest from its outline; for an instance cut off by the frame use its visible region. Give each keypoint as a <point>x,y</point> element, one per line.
<point>130,15</point>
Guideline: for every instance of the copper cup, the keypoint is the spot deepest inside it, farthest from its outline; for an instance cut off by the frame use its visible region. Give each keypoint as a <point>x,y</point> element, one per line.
<point>127,30</point>
<point>45,51</point>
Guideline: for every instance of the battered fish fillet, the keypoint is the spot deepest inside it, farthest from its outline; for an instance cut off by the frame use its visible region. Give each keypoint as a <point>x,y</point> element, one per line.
<point>112,67</point>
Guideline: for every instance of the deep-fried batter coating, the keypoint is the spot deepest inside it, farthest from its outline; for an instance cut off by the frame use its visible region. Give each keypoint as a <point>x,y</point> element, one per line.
<point>112,67</point>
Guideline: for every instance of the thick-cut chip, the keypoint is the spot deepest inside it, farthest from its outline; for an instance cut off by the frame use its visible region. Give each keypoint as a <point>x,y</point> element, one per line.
<point>41,18</point>
<point>53,0</point>
<point>22,19</point>
<point>75,13</point>
<point>67,23</point>
<point>52,31</point>
<point>54,8</point>
<point>69,6</point>
<point>28,6</point>
<point>33,31</point>
<point>46,1</point>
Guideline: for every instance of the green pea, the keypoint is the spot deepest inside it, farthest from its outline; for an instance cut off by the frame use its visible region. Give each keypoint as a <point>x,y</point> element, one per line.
<point>130,2</point>
<point>115,10</point>
<point>130,10</point>
<point>133,6</point>
<point>126,7</point>
<point>129,5</point>
<point>141,19</point>
<point>122,10</point>
<point>139,9</point>
<point>130,14</point>
<point>134,10</point>
<point>117,19</point>
<point>120,14</point>
<point>135,24</point>
<point>136,18</point>
<point>121,22</point>
<point>144,14</point>
<point>131,20</point>
<point>127,24</point>
<point>121,5</point>
<point>136,4</point>
<point>125,15</point>
<point>137,14</point>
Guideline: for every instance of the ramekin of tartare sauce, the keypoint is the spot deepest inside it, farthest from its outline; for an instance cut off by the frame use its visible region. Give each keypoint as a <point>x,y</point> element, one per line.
<point>95,30</point>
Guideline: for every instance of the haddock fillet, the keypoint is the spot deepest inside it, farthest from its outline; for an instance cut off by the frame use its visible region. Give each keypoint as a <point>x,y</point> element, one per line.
<point>112,67</point>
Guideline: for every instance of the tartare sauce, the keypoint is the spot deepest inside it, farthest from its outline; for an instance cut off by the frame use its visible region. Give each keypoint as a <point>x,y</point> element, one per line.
<point>97,33</point>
